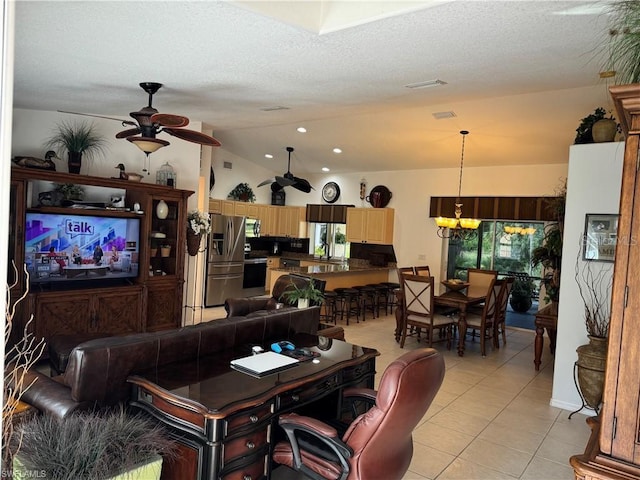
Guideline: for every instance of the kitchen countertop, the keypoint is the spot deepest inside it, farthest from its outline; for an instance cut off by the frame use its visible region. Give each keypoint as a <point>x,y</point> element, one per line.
<point>330,268</point>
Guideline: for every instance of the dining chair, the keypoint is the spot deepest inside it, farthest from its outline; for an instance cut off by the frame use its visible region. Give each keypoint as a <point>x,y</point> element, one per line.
<point>480,279</point>
<point>422,270</point>
<point>405,271</point>
<point>378,443</point>
<point>500,324</point>
<point>419,311</point>
<point>484,322</point>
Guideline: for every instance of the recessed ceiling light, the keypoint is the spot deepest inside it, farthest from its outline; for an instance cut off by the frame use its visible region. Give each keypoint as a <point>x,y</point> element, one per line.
<point>268,155</point>
<point>302,130</point>
<point>325,169</point>
<point>337,150</point>
<point>425,84</point>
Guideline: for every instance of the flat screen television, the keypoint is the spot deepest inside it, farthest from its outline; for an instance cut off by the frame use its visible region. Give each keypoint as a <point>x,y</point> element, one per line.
<point>62,248</point>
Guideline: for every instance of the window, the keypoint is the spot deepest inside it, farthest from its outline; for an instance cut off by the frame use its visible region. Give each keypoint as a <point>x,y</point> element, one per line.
<point>330,239</point>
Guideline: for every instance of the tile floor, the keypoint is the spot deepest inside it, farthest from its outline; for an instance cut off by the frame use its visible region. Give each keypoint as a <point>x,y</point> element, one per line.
<point>491,418</point>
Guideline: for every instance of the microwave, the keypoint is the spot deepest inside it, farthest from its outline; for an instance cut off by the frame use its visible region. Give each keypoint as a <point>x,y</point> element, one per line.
<point>252,228</point>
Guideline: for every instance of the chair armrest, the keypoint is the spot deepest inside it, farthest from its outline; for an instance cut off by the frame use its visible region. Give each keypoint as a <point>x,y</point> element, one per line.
<point>239,307</point>
<point>51,397</point>
<point>292,424</point>
<point>356,393</point>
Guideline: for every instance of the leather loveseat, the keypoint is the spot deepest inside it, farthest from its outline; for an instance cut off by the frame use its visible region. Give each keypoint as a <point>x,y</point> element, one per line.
<point>97,370</point>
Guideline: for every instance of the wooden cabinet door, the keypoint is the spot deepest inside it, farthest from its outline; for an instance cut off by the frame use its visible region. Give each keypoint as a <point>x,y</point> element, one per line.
<point>356,219</point>
<point>62,313</point>
<point>164,303</point>
<point>240,209</point>
<point>215,206</point>
<point>379,225</point>
<point>118,311</point>
<point>253,210</point>
<point>272,220</point>
<point>228,207</point>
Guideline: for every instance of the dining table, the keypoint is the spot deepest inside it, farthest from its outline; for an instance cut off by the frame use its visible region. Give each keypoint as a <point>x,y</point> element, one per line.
<point>462,300</point>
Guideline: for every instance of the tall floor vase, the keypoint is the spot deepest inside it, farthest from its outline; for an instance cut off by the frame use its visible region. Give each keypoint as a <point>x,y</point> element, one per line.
<point>590,366</point>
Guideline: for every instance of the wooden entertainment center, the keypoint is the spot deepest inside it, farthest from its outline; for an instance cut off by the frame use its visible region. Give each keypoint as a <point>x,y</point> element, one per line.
<point>149,302</point>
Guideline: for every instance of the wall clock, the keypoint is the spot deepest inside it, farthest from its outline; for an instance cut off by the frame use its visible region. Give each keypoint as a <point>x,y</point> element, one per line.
<point>330,192</point>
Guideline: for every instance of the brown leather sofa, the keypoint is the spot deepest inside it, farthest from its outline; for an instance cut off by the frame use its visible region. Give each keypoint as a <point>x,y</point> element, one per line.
<point>97,370</point>
<point>260,306</point>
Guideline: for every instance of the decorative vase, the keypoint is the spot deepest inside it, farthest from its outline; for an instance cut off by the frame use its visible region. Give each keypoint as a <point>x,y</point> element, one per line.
<point>154,252</point>
<point>162,210</point>
<point>591,365</point>
<point>75,162</point>
<point>303,303</point>
<point>165,250</point>
<point>193,242</point>
<point>604,130</point>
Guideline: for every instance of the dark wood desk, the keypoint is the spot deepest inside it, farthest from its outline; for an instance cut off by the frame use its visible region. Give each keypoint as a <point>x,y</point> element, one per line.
<point>225,422</point>
<point>459,300</point>
<point>546,317</point>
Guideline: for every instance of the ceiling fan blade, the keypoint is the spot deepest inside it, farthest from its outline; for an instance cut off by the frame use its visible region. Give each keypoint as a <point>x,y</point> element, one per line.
<point>124,122</point>
<point>192,136</point>
<point>266,182</point>
<point>275,187</point>
<point>169,120</point>
<point>284,181</point>
<point>302,185</point>
<point>128,133</point>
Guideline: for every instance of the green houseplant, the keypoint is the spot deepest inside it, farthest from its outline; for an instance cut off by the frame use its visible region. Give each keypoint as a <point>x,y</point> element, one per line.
<point>242,192</point>
<point>584,132</point>
<point>77,139</point>
<point>302,295</point>
<point>521,294</point>
<point>622,51</point>
<point>96,445</point>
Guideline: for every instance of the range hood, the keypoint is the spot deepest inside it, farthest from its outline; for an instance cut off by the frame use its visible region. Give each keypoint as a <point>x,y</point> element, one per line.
<point>322,213</point>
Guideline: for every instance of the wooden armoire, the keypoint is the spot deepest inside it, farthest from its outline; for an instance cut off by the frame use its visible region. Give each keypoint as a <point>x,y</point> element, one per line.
<point>613,451</point>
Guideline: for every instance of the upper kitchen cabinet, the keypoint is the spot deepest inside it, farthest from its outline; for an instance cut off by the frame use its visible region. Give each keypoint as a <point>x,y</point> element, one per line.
<point>291,222</point>
<point>370,225</point>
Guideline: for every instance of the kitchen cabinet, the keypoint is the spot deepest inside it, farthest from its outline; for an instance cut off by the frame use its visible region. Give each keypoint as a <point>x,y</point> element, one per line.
<point>613,451</point>
<point>268,215</point>
<point>110,307</point>
<point>240,209</point>
<point>253,210</point>
<point>228,207</point>
<point>275,221</point>
<point>215,206</point>
<point>291,222</point>
<point>370,225</point>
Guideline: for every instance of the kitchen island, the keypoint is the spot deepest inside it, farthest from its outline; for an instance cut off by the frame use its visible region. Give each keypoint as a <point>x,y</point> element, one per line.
<point>337,275</point>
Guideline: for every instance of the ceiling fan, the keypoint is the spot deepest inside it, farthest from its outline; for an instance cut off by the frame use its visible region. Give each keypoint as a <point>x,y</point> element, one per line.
<point>150,123</point>
<point>288,179</point>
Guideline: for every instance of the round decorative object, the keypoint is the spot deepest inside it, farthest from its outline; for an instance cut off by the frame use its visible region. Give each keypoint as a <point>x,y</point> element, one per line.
<point>379,196</point>
<point>454,286</point>
<point>330,192</point>
<point>162,210</point>
<point>604,130</point>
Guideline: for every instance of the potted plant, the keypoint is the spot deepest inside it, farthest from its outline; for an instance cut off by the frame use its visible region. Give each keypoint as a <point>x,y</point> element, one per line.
<point>198,225</point>
<point>97,445</point>
<point>242,192</point>
<point>596,127</point>
<point>77,139</point>
<point>594,285</point>
<point>302,295</point>
<point>521,293</point>
<point>70,191</point>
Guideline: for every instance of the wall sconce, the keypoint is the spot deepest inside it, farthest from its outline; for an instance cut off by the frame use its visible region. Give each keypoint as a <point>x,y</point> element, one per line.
<point>363,188</point>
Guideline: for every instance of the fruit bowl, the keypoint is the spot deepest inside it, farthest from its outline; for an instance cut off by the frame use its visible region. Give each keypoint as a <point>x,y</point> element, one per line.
<point>455,286</point>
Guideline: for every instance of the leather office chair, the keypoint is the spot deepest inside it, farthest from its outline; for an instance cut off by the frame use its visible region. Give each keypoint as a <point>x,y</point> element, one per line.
<point>486,321</point>
<point>378,443</point>
<point>499,326</point>
<point>419,311</point>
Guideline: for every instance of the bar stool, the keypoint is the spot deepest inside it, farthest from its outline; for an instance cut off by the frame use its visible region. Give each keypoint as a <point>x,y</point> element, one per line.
<point>367,299</point>
<point>329,307</point>
<point>349,303</point>
<point>382,296</point>
<point>392,301</point>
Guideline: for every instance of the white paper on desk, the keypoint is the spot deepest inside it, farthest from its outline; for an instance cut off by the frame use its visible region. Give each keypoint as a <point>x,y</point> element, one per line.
<point>263,364</point>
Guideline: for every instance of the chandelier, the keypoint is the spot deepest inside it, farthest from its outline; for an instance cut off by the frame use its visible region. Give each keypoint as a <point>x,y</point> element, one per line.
<point>511,230</point>
<point>458,227</point>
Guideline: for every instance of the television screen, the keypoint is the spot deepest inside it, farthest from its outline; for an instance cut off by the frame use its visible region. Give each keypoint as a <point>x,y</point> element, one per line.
<point>66,247</point>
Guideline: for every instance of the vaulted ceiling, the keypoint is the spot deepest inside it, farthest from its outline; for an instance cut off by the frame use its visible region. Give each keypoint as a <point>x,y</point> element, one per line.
<point>519,75</point>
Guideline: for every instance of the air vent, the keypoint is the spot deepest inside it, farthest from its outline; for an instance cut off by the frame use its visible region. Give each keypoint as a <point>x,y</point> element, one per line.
<point>442,115</point>
<point>274,108</point>
<point>428,83</point>
<point>228,165</point>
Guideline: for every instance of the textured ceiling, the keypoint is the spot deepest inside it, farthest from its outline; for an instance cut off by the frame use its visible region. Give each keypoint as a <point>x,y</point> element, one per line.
<point>519,75</point>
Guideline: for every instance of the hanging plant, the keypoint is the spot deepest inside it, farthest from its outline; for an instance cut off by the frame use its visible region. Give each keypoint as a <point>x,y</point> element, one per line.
<point>242,192</point>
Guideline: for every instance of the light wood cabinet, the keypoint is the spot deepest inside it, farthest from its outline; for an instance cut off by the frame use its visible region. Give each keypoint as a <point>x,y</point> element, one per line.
<point>276,221</point>
<point>228,207</point>
<point>370,225</point>
<point>215,206</point>
<point>272,263</point>
<point>289,221</point>
<point>613,452</point>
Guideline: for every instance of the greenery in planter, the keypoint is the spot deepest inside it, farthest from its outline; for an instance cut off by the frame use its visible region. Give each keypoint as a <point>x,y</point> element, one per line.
<point>70,191</point>
<point>583,132</point>
<point>309,291</point>
<point>521,294</point>
<point>622,52</point>
<point>90,445</point>
<point>242,192</point>
<point>77,137</point>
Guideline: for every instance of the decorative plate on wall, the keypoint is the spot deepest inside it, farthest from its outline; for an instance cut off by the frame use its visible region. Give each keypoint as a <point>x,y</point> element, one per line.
<point>330,192</point>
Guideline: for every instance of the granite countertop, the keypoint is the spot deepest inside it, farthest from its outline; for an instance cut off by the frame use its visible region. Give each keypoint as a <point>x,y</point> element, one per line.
<point>330,268</point>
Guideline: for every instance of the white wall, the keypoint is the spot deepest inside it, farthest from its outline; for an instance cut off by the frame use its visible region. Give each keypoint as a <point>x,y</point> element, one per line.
<point>593,186</point>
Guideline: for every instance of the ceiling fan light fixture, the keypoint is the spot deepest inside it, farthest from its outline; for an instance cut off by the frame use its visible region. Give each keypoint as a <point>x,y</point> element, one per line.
<point>147,144</point>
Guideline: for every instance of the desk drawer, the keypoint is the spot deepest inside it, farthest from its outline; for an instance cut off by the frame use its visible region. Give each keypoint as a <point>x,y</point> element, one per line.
<point>246,445</point>
<point>308,393</point>
<point>253,471</point>
<point>248,418</point>
<point>354,374</point>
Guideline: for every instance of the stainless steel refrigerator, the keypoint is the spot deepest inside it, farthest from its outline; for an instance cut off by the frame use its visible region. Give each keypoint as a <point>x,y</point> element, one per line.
<point>225,260</point>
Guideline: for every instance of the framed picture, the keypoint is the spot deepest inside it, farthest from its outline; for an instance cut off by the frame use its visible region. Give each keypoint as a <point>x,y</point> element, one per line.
<point>600,237</point>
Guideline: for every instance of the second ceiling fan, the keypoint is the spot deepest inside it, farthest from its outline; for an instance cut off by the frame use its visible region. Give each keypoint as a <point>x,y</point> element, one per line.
<point>288,180</point>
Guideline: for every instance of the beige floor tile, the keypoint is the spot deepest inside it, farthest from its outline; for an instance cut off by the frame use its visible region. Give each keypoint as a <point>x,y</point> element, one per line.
<point>453,386</point>
<point>497,457</point>
<point>476,407</point>
<point>517,439</point>
<point>429,462</point>
<point>458,375</point>
<point>572,433</point>
<point>540,468</point>
<point>444,398</point>
<point>526,406</point>
<point>558,451</point>
<point>441,438</point>
<point>525,423</point>
<point>414,476</point>
<point>460,422</point>
<point>461,469</point>
<point>488,395</point>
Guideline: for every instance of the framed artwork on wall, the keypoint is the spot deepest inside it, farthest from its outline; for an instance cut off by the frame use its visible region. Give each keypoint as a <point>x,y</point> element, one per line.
<point>600,237</point>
